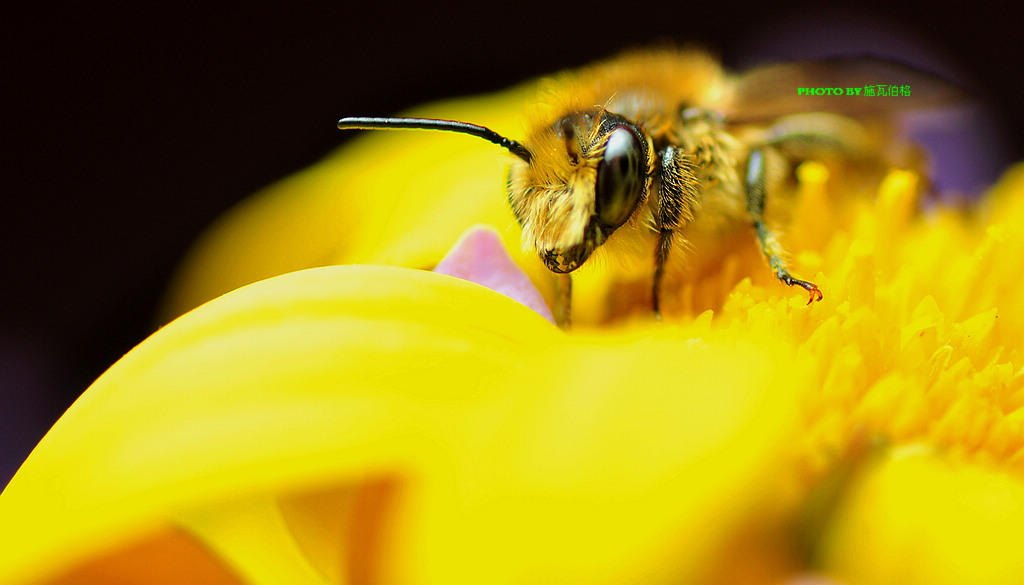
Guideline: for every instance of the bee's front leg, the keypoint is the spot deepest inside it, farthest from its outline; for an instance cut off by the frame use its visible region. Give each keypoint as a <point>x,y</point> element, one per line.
<point>660,258</point>
<point>677,193</point>
<point>770,246</point>
<point>563,312</point>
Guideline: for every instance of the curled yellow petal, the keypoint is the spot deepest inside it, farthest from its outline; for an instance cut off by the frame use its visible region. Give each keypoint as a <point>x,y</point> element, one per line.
<point>254,378</point>
<point>371,424</point>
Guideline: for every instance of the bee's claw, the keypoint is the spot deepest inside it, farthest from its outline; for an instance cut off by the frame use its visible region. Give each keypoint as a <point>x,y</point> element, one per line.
<point>811,288</point>
<point>815,294</point>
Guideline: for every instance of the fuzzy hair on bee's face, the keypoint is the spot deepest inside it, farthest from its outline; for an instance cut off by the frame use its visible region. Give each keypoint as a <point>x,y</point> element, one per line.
<point>555,195</point>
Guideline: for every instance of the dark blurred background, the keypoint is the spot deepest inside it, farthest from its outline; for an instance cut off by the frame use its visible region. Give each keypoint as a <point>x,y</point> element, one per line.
<point>127,128</point>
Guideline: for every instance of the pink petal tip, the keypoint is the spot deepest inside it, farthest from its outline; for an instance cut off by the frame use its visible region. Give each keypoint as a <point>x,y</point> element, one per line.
<point>480,256</point>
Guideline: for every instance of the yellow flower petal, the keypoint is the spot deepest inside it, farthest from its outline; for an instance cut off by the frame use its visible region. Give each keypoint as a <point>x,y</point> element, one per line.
<point>145,436</point>
<point>917,519</point>
<point>456,435</point>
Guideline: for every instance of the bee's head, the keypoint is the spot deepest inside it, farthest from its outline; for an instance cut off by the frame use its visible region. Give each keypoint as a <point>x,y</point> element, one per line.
<point>575,182</point>
<point>589,173</point>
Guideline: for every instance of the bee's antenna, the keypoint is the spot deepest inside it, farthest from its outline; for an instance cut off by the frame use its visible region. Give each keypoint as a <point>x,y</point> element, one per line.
<point>431,124</point>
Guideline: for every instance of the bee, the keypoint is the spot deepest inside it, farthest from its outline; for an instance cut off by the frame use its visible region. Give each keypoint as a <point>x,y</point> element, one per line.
<point>655,144</point>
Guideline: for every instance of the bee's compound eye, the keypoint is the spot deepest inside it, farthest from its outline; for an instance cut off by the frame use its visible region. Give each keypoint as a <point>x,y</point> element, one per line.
<point>620,177</point>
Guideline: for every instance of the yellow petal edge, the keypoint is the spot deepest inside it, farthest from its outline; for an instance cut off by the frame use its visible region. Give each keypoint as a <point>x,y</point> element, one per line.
<point>270,423</point>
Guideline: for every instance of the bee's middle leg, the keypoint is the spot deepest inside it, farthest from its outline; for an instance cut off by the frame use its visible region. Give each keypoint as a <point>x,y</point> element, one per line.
<point>770,246</point>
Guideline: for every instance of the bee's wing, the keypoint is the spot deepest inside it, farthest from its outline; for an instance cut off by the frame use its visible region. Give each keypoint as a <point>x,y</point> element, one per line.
<point>771,91</point>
